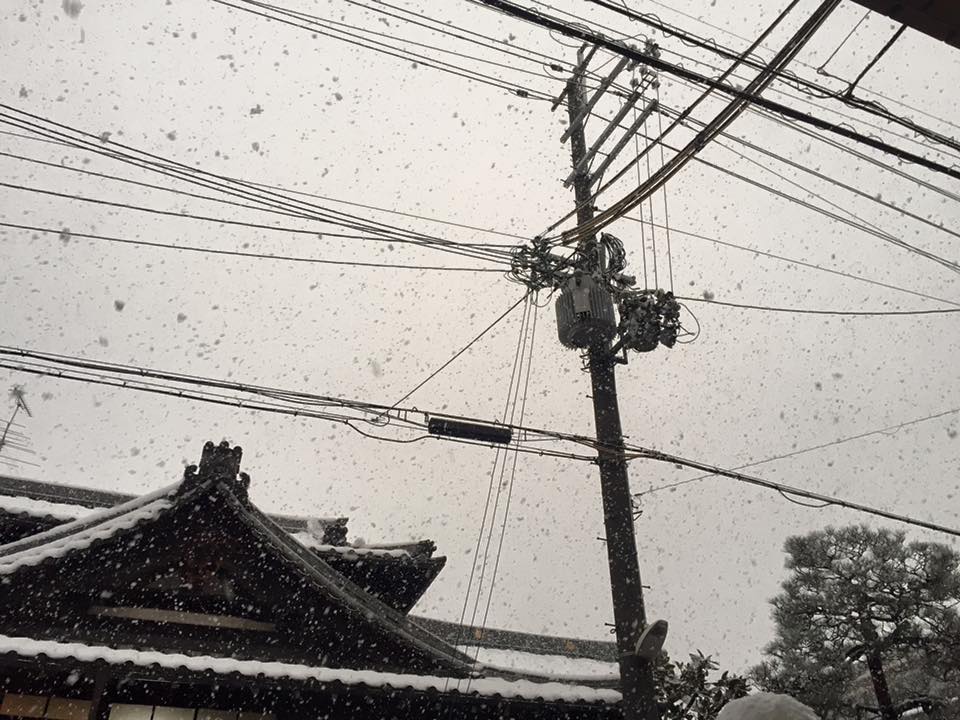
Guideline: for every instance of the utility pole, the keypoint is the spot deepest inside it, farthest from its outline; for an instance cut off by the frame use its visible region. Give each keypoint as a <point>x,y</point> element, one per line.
<point>636,672</point>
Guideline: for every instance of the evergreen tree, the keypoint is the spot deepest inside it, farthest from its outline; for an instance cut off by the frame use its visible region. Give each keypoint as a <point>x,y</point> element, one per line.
<point>858,598</point>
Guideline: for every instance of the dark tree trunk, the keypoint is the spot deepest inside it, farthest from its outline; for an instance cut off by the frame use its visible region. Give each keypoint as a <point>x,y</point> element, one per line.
<point>880,687</point>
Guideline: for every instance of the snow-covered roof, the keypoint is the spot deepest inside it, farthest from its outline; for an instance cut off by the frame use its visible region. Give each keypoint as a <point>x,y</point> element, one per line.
<point>310,541</point>
<point>484,686</point>
<point>82,533</point>
<point>16,505</point>
<point>554,667</point>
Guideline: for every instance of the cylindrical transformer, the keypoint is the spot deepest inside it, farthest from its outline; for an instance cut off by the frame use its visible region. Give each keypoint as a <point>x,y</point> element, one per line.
<point>585,314</point>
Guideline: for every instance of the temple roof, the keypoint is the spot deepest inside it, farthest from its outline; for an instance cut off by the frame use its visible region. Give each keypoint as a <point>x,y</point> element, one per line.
<point>396,573</point>
<point>209,513</point>
<point>482,686</point>
<point>301,618</point>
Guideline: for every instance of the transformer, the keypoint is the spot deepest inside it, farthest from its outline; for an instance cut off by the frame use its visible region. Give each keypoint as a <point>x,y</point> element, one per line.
<point>585,314</point>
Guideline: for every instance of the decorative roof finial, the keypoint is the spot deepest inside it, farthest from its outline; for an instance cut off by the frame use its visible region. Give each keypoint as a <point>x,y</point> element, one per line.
<point>218,463</point>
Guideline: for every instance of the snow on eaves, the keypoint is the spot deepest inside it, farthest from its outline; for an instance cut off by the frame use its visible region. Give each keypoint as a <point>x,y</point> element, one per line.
<point>65,543</point>
<point>17,505</point>
<point>309,541</point>
<point>555,667</point>
<point>485,686</point>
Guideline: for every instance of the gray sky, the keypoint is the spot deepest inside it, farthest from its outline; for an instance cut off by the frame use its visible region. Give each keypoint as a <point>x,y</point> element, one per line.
<point>180,78</point>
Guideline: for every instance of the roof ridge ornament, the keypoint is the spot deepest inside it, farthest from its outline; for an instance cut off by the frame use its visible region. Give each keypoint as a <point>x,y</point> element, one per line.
<point>218,463</point>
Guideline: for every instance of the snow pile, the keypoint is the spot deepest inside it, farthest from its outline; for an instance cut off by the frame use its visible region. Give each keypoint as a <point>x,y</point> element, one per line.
<point>766,706</point>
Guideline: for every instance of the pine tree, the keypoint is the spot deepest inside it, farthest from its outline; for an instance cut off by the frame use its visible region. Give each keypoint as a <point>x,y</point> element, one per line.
<point>858,597</point>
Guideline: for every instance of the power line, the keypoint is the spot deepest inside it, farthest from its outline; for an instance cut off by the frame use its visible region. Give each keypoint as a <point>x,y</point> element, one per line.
<point>875,60</point>
<point>509,411</point>
<point>304,193</point>
<point>821,176</point>
<point>61,232</point>
<point>369,412</point>
<point>722,120</point>
<point>393,51</point>
<point>804,263</point>
<point>552,23</point>
<point>240,223</point>
<point>337,25</point>
<point>274,201</point>
<point>890,429</point>
<point>58,365</point>
<point>820,70</point>
<point>808,87</point>
<point>805,311</point>
<point>796,127</point>
<point>462,350</point>
<point>825,500</point>
<point>857,223</point>
<point>498,45</point>
<point>513,470</point>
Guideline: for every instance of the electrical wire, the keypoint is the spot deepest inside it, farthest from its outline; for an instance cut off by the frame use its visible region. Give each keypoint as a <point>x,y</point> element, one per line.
<point>808,87</point>
<point>487,502</point>
<point>272,200</point>
<point>60,232</point>
<point>875,60</point>
<point>666,211</point>
<point>389,50</point>
<point>806,311</point>
<point>861,225</point>
<point>548,22</point>
<point>633,452</point>
<point>462,350</point>
<point>338,26</point>
<point>327,198</point>
<point>731,33</point>
<point>513,472</point>
<point>874,198</point>
<point>464,252</point>
<point>121,382</point>
<point>520,358</point>
<point>721,121</point>
<point>822,446</point>
<point>856,222</point>
<point>377,414</point>
<point>781,488</point>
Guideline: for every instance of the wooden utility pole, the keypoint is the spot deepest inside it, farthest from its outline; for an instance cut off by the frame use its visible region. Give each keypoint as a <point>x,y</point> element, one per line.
<point>636,672</point>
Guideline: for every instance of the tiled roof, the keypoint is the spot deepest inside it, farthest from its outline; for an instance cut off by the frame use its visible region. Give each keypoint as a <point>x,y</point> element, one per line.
<point>482,686</point>
<point>62,503</point>
<point>83,532</point>
<point>552,667</point>
<point>19,505</point>
<point>310,541</point>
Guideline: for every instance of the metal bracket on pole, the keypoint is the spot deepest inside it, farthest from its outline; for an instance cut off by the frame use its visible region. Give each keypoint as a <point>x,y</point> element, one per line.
<point>581,66</point>
<point>598,143</point>
<point>585,110</point>
<point>641,119</point>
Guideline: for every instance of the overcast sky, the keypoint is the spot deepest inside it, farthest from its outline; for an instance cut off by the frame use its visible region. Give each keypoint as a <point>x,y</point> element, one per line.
<point>229,92</point>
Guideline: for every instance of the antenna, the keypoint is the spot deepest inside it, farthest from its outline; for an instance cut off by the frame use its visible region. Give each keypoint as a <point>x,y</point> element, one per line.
<point>12,440</point>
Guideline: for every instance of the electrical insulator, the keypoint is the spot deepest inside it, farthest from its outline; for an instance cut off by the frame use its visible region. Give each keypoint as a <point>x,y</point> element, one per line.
<point>585,315</point>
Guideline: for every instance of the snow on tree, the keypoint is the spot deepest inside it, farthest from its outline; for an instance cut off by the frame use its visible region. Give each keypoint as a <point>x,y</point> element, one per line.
<point>856,600</point>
